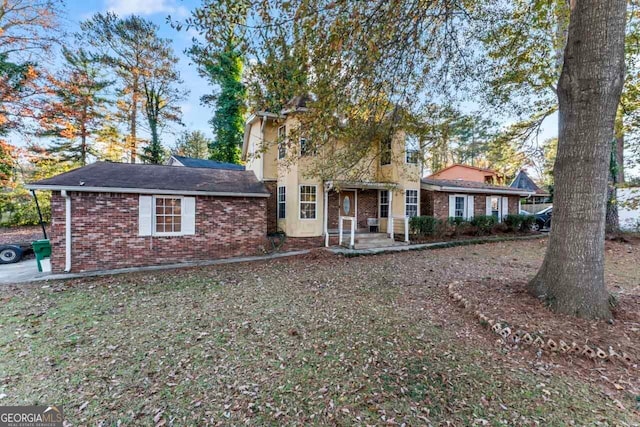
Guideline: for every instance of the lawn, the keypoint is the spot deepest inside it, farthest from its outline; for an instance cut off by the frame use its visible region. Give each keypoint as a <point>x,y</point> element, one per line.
<point>318,339</point>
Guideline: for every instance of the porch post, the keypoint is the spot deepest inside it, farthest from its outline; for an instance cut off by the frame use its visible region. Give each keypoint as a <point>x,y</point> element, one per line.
<point>355,210</point>
<point>326,216</point>
<point>390,216</point>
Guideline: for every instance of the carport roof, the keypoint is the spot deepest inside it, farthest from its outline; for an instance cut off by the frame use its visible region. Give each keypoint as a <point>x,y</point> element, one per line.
<point>155,179</point>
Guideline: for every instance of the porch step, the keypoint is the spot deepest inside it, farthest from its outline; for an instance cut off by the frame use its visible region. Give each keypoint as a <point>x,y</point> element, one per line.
<point>377,243</point>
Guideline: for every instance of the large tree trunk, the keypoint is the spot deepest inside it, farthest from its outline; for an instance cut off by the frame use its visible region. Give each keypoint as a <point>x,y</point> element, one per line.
<point>134,120</point>
<point>571,278</point>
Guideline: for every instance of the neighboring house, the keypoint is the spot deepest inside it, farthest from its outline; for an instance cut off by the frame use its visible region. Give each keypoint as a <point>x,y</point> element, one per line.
<point>629,208</point>
<point>202,163</point>
<point>524,181</point>
<point>466,199</point>
<point>469,173</point>
<point>117,215</point>
<point>304,207</point>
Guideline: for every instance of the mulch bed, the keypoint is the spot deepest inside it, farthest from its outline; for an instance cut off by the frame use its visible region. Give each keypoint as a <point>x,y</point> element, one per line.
<point>508,302</point>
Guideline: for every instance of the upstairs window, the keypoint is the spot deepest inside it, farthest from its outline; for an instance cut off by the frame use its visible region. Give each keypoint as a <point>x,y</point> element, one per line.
<point>282,139</point>
<point>305,147</point>
<point>412,150</point>
<point>385,151</point>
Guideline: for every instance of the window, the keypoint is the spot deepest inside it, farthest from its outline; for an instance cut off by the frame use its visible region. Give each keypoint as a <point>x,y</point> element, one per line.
<point>385,151</point>
<point>384,203</point>
<point>282,135</point>
<point>305,147</point>
<point>459,207</point>
<point>495,207</point>
<point>411,203</point>
<point>308,202</point>
<point>282,205</point>
<point>168,215</point>
<point>412,150</point>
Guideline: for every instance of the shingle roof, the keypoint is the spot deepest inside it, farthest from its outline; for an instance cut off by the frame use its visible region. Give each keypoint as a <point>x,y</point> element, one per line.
<point>478,187</point>
<point>191,162</point>
<point>138,178</point>
<point>522,180</point>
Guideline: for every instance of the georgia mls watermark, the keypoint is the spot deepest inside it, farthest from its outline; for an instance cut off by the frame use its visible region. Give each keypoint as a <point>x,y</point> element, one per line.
<point>31,416</point>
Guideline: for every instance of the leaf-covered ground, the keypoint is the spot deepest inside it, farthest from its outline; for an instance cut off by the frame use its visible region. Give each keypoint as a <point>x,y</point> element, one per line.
<point>318,339</point>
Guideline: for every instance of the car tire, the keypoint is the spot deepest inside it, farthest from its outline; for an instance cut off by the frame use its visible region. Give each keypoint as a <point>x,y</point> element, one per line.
<point>536,226</point>
<point>10,254</point>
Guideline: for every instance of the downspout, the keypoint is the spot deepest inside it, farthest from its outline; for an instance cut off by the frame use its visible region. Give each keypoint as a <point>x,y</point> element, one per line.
<point>67,224</point>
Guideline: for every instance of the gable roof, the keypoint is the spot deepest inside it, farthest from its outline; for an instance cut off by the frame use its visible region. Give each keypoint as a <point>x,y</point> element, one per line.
<point>458,185</point>
<point>524,181</point>
<point>107,177</point>
<point>491,171</point>
<point>192,162</point>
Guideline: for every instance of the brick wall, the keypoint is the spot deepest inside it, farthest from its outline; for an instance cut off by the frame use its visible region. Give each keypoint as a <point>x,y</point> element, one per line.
<point>367,207</point>
<point>105,232</point>
<point>272,206</point>
<point>436,203</point>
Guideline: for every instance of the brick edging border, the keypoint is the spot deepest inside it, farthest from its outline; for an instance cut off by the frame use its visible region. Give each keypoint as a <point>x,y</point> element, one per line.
<point>520,336</point>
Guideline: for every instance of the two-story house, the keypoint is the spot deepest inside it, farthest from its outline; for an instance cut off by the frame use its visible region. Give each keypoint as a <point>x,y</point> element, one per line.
<point>304,206</point>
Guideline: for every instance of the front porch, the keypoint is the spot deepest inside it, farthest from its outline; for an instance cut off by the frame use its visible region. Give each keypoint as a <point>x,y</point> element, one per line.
<point>361,215</point>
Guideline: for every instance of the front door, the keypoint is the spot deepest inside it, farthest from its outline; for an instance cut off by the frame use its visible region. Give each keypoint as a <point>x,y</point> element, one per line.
<point>348,203</point>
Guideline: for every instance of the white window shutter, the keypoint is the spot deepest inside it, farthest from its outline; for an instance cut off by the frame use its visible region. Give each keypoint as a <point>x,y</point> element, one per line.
<point>452,206</point>
<point>188,215</point>
<point>489,210</point>
<point>470,207</point>
<point>145,207</point>
<point>505,206</point>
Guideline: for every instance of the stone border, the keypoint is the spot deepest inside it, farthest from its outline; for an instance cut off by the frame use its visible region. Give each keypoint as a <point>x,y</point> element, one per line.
<point>520,336</point>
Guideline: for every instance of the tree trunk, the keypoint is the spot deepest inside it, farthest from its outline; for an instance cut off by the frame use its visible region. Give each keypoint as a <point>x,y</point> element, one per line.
<point>133,120</point>
<point>571,278</point>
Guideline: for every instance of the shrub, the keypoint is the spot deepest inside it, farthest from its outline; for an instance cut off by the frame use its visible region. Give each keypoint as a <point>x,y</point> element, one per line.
<point>456,221</point>
<point>457,226</point>
<point>527,222</point>
<point>424,225</point>
<point>513,221</point>
<point>484,223</point>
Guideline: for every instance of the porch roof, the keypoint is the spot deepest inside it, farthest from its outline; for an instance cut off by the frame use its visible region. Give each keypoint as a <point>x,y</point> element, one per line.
<point>363,185</point>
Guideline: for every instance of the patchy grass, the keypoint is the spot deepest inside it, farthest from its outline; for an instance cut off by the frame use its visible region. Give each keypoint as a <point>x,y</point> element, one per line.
<point>313,340</point>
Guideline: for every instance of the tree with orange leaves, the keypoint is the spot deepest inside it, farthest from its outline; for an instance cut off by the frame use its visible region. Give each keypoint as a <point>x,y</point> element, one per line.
<point>75,112</point>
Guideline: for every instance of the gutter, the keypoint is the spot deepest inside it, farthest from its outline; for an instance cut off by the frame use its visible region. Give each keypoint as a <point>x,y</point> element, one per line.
<point>475,190</point>
<point>67,225</point>
<point>141,191</point>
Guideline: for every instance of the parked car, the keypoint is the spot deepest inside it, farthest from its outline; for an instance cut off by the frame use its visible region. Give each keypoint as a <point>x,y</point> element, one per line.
<point>543,219</point>
<point>523,212</point>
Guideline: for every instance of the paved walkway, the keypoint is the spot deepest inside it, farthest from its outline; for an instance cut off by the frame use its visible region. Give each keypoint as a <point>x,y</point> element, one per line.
<point>23,271</point>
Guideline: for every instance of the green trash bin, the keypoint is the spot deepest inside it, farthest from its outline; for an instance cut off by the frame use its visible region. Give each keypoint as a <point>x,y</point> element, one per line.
<point>42,249</point>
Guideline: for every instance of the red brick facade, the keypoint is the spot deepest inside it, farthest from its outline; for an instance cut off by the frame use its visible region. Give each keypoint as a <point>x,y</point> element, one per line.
<point>105,232</point>
<point>367,208</point>
<point>436,203</point>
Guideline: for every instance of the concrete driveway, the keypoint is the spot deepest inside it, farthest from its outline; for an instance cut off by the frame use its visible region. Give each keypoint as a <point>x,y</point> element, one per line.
<point>22,271</point>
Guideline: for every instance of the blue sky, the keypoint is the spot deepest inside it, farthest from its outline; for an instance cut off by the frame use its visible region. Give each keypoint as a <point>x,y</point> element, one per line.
<point>195,116</point>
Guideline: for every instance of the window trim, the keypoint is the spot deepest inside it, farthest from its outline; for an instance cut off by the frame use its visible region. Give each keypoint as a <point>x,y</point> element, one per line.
<point>416,204</point>
<point>282,191</point>
<point>155,217</point>
<point>282,137</point>
<point>380,204</point>
<point>300,202</point>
